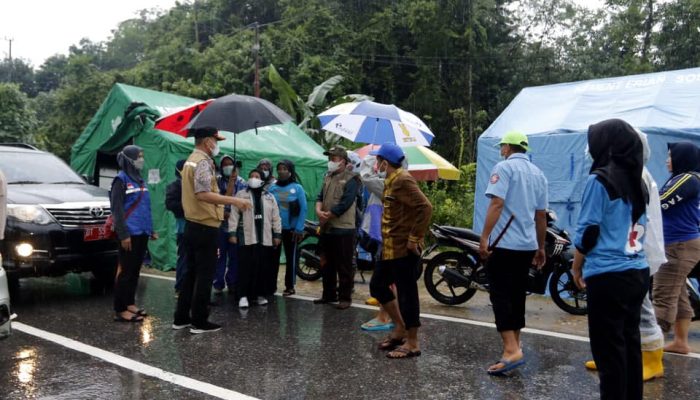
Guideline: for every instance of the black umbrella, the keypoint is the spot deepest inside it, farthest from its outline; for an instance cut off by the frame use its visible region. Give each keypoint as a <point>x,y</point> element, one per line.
<point>237,113</point>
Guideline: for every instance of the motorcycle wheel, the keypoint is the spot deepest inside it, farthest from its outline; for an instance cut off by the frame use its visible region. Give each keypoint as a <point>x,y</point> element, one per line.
<point>308,264</point>
<point>565,294</point>
<point>441,289</point>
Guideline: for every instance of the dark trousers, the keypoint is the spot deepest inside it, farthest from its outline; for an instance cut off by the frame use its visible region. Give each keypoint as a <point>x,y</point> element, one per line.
<point>403,272</point>
<point>226,263</point>
<point>507,274</point>
<point>338,272</point>
<point>614,306</point>
<point>251,274</point>
<point>290,253</point>
<point>193,302</point>
<point>181,265</point>
<point>128,271</point>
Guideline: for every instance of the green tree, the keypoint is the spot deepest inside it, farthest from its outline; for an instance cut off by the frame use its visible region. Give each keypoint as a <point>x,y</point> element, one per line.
<point>17,119</point>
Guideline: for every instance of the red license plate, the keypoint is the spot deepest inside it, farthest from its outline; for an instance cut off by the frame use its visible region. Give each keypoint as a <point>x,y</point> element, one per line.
<point>92,233</point>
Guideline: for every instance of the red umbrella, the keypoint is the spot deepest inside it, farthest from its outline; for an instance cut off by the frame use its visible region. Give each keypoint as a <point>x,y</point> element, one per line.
<point>175,122</point>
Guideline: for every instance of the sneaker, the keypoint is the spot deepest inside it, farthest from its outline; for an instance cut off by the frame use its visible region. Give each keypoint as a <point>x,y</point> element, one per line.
<point>262,301</point>
<point>243,302</point>
<point>180,325</point>
<point>204,328</point>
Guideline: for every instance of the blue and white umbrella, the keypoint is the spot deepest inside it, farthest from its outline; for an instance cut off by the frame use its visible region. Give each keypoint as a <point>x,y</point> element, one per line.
<point>375,123</point>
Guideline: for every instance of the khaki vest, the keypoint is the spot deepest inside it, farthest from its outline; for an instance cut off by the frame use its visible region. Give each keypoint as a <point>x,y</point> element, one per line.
<point>195,210</point>
<point>333,187</point>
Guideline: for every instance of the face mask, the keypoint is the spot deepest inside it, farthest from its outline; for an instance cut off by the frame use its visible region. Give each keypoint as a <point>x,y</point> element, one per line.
<point>266,174</point>
<point>227,170</point>
<point>138,164</point>
<point>382,174</point>
<point>255,183</point>
<point>215,151</point>
<point>333,166</point>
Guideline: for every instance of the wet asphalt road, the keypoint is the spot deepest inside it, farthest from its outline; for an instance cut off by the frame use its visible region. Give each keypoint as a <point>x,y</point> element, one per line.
<point>290,349</point>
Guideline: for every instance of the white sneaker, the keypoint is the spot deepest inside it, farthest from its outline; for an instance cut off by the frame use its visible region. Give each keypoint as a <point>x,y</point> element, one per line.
<point>243,302</point>
<point>262,301</point>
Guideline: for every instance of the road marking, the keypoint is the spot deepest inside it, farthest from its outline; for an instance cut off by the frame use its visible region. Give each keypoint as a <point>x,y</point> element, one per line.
<point>457,320</point>
<point>133,365</point>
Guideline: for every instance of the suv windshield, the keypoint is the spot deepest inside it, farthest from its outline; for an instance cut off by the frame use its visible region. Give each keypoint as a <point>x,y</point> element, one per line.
<point>24,167</point>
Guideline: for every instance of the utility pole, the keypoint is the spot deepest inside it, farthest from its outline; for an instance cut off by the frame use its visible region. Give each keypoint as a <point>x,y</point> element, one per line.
<point>9,56</point>
<point>256,53</point>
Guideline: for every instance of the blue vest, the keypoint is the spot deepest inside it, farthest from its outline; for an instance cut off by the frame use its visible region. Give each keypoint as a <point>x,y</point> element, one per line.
<point>139,222</point>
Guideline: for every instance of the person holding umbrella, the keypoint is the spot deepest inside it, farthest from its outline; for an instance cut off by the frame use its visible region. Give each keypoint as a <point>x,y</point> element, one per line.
<point>204,212</point>
<point>335,207</point>
<point>291,198</point>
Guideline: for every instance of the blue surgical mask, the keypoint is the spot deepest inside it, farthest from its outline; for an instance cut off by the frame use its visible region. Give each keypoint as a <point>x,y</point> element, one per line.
<point>227,170</point>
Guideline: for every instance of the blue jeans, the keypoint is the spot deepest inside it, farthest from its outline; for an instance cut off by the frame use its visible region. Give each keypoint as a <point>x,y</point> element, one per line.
<point>226,262</point>
<point>181,265</point>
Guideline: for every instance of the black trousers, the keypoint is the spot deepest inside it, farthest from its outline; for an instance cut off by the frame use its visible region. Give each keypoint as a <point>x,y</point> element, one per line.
<point>128,271</point>
<point>402,272</point>
<point>614,306</point>
<point>290,253</point>
<point>338,251</point>
<point>507,273</point>
<point>200,246</point>
<point>254,261</point>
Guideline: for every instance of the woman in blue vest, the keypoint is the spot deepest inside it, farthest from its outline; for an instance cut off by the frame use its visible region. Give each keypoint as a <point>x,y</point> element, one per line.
<point>131,212</point>
<point>609,238</point>
<point>291,200</point>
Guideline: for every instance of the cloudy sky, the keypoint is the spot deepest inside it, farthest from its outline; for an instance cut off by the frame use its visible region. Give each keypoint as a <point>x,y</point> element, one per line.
<point>40,29</point>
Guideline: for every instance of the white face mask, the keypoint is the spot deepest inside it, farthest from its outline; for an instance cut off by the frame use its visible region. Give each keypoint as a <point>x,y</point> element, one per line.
<point>381,172</point>
<point>255,183</point>
<point>333,166</point>
<point>139,163</point>
<point>266,174</point>
<point>215,151</point>
<point>227,171</point>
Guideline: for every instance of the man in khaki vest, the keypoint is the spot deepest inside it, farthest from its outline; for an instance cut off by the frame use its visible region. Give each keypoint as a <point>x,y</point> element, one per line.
<point>335,207</point>
<point>204,211</point>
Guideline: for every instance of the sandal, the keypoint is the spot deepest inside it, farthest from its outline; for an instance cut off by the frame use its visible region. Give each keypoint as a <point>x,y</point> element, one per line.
<point>402,352</point>
<point>389,343</point>
<point>288,292</point>
<point>140,312</point>
<point>134,318</point>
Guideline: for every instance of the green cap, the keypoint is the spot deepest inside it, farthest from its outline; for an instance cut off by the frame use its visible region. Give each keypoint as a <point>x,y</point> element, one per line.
<point>515,138</point>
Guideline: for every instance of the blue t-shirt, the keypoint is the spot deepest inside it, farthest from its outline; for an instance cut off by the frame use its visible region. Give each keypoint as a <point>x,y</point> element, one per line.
<point>292,192</point>
<point>680,199</point>
<point>619,245</point>
<point>523,188</point>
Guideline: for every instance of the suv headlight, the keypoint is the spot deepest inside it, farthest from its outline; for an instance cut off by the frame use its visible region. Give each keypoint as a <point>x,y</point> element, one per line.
<point>29,213</point>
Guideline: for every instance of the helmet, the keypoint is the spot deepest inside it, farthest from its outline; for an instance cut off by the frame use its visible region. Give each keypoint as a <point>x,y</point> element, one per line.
<point>515,138</point>
<point>389,152</point>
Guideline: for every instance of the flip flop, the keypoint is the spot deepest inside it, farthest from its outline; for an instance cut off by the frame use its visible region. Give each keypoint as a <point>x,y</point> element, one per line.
<point>389,343</point>
<point>507,366</point>
<point>140,312</point>
<point>377,325</point>
<point>404,353</point>
<point>134,318</point>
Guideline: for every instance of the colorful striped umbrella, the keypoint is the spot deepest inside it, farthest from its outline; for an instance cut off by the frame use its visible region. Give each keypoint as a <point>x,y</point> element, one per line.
<point>376,123</point>
<point>423,163</point>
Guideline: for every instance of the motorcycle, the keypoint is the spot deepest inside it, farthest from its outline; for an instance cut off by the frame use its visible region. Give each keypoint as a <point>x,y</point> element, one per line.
<point>453,276</point>
<point>309,260</point>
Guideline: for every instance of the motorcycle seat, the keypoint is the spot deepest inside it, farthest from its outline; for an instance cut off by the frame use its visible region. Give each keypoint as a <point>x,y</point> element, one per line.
<point>461,232</point>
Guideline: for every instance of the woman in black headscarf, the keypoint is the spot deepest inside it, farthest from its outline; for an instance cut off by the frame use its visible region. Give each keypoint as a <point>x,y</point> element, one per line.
<point>609,238</point>
<point>131,213</point>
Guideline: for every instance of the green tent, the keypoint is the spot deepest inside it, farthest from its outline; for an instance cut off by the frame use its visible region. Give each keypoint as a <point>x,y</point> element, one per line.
<point>128,116</point>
